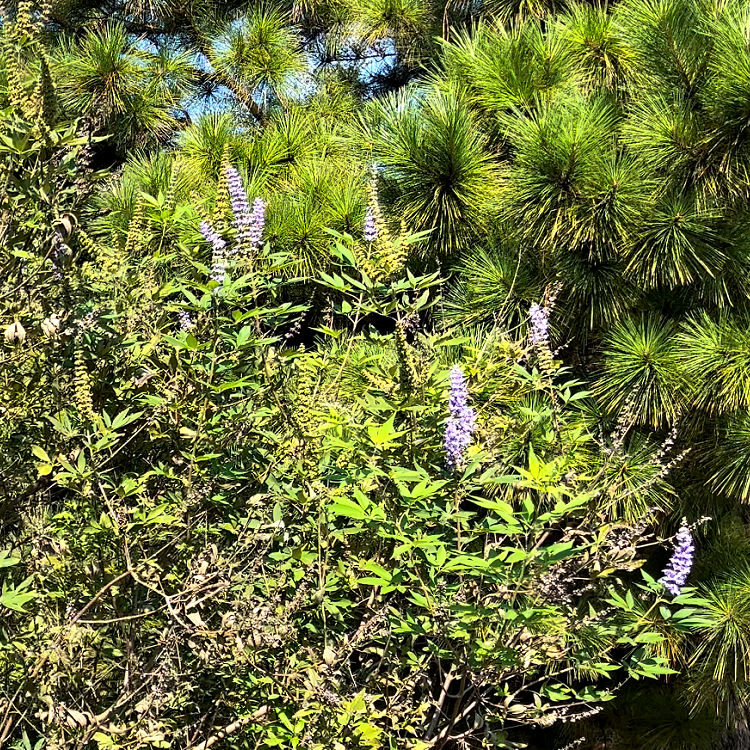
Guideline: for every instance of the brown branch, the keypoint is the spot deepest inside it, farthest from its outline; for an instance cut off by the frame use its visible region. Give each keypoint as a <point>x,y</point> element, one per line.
<point>230,729</point>
<point>242,94</point>
<point>239,91</point>
<point>8,718</point>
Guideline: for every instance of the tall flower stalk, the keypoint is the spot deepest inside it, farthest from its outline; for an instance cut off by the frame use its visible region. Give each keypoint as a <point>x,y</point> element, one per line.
<point>240,206</point>
<point>248,222</point>
<point>462,420</point>
<point>370,231</point>
<point>218,257</point>
<point>539,333</point>
<point>258,222</point>
<point>539,320</point>
<point>681,563</point>
<point>186,321</point>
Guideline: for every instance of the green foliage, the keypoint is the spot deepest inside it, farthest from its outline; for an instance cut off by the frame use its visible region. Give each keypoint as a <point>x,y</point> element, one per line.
<point>108,79</point>
<point>232,507</point>
<point>720,677</point>
<point>492,285</point>
<point>714,357</point>
<point>728,459</point>
<point>640,373</point>
<point>227,515</point>
<point>432,153</point>
<point>262,54</point>
<point>661,718</point>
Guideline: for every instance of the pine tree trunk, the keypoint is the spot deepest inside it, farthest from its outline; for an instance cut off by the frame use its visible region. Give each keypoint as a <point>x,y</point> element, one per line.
<point>737,738</point>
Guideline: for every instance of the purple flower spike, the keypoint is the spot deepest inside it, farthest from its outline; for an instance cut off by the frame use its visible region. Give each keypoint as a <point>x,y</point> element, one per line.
<point>258,222</point>
<point>248,222</point>
<point>237,195</point>
<point>539,319</point>
<point>218,259</point>
<point>186,322</point>
<point>681,562</point>
<point>213,239</point>
<point>370,229</point>
<point>240,206</point>
<point>461,422</point>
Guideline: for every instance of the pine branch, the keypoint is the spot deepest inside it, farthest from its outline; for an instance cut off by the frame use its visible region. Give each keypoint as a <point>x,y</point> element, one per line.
<point>223,79</point>
<point>239,91</point>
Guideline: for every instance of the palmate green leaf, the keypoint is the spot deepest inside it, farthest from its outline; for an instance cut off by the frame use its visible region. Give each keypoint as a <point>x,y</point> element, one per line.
<point>385,434</point>
<point>358,512</point>
<point>158,515</point>
<point>379,570</point>
<point>15,597</point>
<point>650,669</point>
<point>422,490</point>
<point>473,563</point>
<point>504,510</point>
<point>122,419</point>
<point>40,453</point>
<point>6,559</point>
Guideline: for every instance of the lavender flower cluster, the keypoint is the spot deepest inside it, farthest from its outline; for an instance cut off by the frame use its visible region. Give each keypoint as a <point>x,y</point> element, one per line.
<point>680,564</point>
<point>370,228</point>
<point>186,322</point>
<point>248,223</point>
<point>461,422</point>
<point>258,219</point>
<point>218,258</point>
<point>539,319</point>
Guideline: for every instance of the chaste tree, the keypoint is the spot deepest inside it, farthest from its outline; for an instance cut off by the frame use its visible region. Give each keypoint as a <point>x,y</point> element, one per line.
<point>374,375</point>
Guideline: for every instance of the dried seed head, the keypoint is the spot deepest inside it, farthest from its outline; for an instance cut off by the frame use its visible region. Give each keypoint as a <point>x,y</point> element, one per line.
<point>65,225</point>
<point>51,325</point>
<point>15,333</point>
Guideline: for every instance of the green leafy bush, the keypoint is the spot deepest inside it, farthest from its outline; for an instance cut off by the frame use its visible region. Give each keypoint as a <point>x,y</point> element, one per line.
<point>355,381</point>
